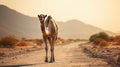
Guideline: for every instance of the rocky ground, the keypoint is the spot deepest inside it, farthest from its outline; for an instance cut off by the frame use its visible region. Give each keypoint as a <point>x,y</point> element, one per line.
<point>110,53</point>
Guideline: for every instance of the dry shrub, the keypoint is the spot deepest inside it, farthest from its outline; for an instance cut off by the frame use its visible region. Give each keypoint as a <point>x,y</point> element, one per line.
<point>97,41</point>
<point>102,35</point>
<point>117,39</point>
<point>60,41</point>
<point>22,43</point>
<point>37,41</point>
<point>70,40</point>
<point>103,43</point>
<point>8,41</point>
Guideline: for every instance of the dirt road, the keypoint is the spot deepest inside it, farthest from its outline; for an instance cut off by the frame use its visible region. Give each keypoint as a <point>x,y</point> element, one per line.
<point>69,55</point>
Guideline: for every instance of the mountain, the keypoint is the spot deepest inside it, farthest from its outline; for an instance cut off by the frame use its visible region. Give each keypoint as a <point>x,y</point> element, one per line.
<point>78,29</point>
<point>20,25</point>
<point>15,23</point>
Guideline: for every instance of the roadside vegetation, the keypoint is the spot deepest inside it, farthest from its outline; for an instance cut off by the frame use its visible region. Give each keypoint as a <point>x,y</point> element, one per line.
<point>106,47</point>
<point>12,42</point>
<point>8,41</point>
<point>100,39</point>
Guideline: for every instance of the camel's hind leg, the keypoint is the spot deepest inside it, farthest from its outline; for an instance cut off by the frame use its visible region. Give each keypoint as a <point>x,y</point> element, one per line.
<point>52,59</point>
<point>46,49</point>
<point>53,48</point>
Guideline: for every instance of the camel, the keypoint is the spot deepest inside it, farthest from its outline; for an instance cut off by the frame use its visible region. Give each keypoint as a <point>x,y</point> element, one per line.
<point>49,30</point>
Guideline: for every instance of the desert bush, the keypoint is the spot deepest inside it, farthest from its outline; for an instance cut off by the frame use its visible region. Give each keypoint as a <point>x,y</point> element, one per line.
<point>111,38</point>
<point>93,37</point>
<point>103,43</point>
<point>97,41</point>
<point>102,35</point>
<point>100,42</point>
<point>8,41</point>
<point>23,38</point>
<point>117,39</point>
<point>22,43</point>
<point>60,40</point>
<point>39,42</point>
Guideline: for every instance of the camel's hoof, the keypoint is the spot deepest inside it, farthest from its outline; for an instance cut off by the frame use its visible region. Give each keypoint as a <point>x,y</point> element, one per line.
<point>51,61</point>
<point>46,60</point>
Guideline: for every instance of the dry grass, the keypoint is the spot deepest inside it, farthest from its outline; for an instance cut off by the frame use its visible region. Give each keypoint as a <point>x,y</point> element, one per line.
<point>62,41</point>
<point>22,43</point>
<point>101,42</point>
<point>8,41</point>
<point>97,41</point>
<point>117,40</point>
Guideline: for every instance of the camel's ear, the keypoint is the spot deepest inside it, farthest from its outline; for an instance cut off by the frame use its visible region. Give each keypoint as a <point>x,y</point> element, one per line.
<point>45,16</point>
<point>38,15</point>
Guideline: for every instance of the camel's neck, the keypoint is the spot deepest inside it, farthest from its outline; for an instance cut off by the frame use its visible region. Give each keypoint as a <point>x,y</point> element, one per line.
<point>44,29</point>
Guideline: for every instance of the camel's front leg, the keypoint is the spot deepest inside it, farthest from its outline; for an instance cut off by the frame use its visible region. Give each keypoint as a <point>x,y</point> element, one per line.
<point>46,49</point>
<point>52,59</point>
<point>52,54</point>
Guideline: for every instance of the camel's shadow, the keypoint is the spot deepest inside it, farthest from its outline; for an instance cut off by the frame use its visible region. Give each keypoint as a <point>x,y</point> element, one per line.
<point>20,65</point>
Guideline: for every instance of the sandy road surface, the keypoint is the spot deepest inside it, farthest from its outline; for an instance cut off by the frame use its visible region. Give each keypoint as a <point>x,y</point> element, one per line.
<point>69,55</point>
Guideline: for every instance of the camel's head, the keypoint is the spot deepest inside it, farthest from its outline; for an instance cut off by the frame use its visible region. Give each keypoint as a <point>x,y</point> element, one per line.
<point>42,17</point>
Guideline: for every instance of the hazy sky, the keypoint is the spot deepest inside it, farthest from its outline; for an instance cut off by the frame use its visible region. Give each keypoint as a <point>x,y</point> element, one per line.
<point>101,13</point>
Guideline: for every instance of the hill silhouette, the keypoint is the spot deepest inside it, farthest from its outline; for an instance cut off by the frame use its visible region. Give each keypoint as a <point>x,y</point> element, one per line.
<point>15,23</point>
<point>20,25</point>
